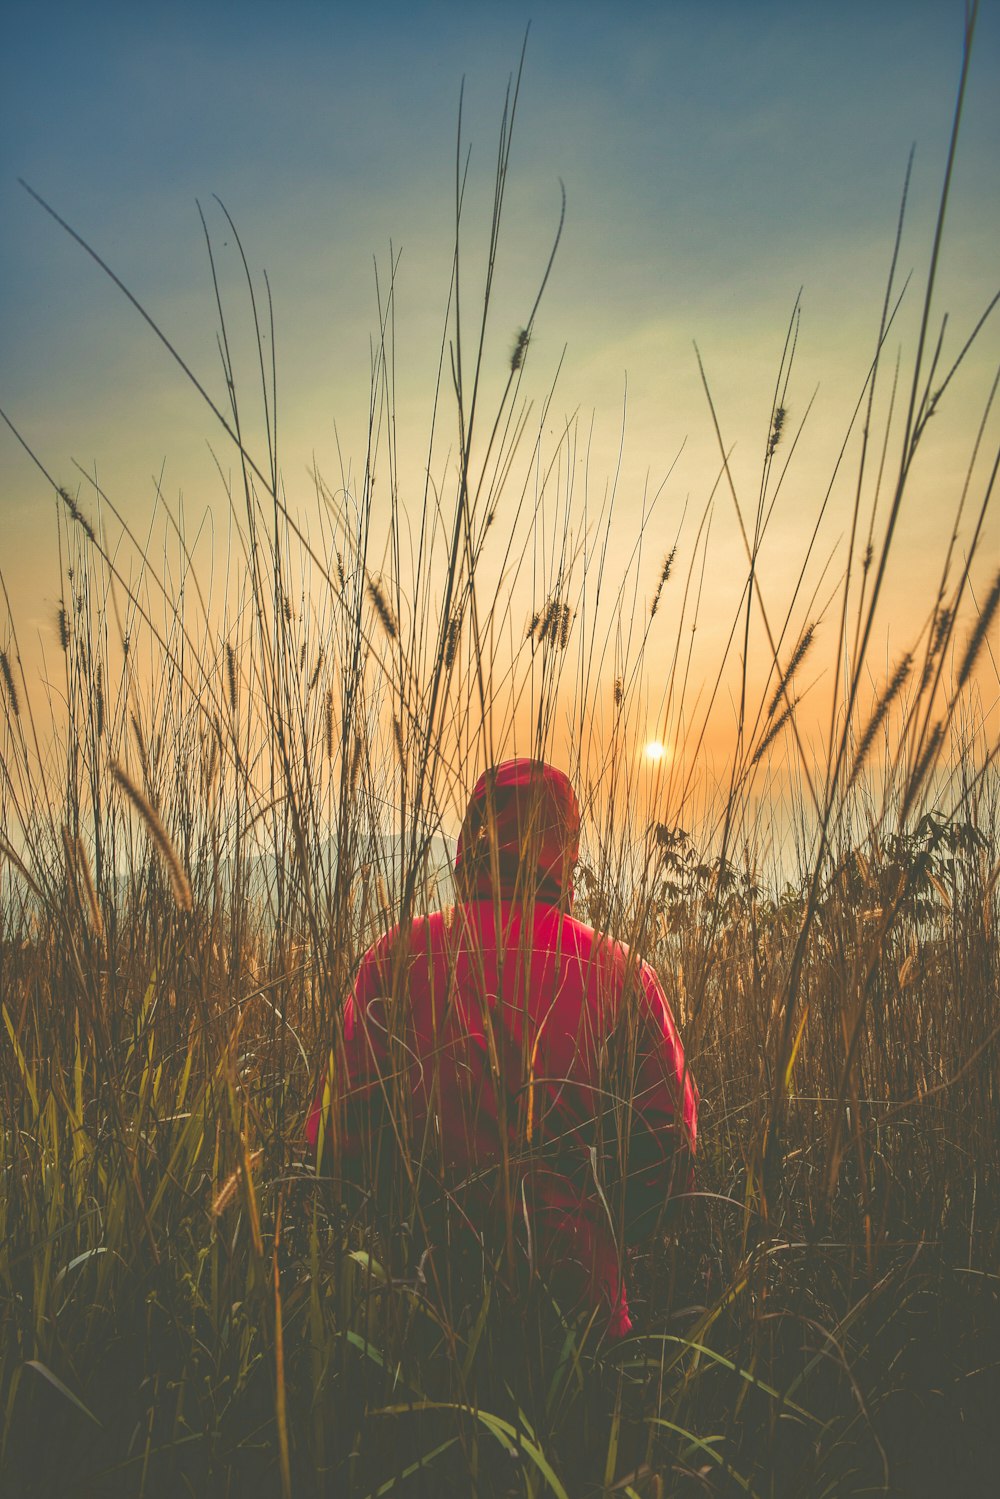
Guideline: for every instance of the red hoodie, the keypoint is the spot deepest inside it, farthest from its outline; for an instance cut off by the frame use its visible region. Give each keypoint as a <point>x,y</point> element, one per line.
<point>505,1016</point>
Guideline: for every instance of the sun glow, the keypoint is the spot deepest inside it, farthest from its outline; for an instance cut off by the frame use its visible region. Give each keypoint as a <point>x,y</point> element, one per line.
<point>656,752</point>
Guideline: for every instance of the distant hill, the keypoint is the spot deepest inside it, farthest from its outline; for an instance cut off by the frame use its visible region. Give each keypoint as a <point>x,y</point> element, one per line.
<point>375,859</point>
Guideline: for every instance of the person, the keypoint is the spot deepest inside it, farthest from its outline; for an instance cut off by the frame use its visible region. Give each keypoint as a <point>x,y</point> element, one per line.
<point>527,1063</point>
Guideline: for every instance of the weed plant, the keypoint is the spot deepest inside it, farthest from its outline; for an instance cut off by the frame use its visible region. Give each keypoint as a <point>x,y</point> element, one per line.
<point>238,796</point>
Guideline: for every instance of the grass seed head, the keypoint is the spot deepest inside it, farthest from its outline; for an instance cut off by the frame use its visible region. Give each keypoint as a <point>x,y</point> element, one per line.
<point>519,350</point>
<point>76,513</point>
<point>549,618</point>
<point>798,656</point>
<point>8,681</point>
<point>452,638</point>
<point>376,592</point>
<point>90,893</point>
<point>772,734</point>
<point>552,623</point>
<point>231,675</point>
<point>140,744</point>
<point>921,769</point>
<point>81,881</point>
<point>941,631</point>
<point>879,715</point>
<point>940,636</point>
<point>397,734</point>
<point>664,577</point>
<point>979,633</point>
<point>328,723</point>
<point>210,762</point>
<point>99,700</point>
<point>357,759</point>
<point>179,882</point>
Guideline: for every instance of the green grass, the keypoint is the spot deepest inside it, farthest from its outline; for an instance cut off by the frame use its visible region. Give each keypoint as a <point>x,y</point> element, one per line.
<point>238,797</point>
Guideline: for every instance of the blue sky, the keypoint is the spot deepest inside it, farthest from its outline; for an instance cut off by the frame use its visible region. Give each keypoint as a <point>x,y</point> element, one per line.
<point>716,159</point>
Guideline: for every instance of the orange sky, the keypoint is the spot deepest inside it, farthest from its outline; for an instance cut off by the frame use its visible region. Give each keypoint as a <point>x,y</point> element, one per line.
<point>714,164</point>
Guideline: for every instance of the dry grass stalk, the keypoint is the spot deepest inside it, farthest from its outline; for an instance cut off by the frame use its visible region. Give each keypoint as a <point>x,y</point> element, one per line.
<point>140,744</point>
<point>179,883</point>
<point>81,879</point>
<point>90,893</point>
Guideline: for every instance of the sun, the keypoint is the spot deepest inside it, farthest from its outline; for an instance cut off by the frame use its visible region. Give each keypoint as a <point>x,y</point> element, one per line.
<point>656,752</point>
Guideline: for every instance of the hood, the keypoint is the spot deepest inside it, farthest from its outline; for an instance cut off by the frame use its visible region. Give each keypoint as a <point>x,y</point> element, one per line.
<point>522,827</point>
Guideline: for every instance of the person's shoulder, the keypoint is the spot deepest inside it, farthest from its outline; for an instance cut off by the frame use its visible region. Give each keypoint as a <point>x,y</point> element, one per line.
<point>381,951</point>
<point>589,941</point>
<point>430,933</point>
<point>613,956</point>
<point>412,936</point>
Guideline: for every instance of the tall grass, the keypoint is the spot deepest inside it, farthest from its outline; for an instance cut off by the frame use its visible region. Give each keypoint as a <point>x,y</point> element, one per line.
<point>238,796</point>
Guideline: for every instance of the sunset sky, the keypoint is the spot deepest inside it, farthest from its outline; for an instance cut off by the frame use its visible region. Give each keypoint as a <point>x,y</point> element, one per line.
<point>716,158</point>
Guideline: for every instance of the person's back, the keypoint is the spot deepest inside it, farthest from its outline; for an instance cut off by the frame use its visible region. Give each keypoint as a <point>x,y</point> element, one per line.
<point>527,1061</point>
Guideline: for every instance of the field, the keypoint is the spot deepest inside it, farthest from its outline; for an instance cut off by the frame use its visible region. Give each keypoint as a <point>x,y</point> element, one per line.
<point>230,793</point>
